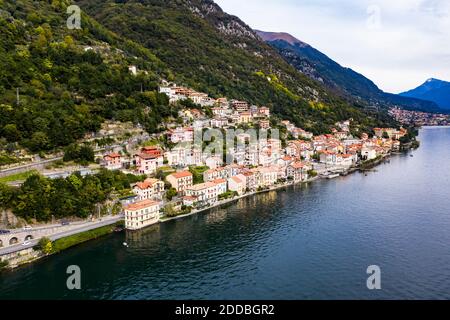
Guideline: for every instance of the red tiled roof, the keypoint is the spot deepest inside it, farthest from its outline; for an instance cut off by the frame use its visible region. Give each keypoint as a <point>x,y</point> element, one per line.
<point>141,205</point>
<point>181,174</point>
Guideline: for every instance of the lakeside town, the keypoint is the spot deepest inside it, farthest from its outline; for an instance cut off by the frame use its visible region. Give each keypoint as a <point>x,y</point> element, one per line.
<point>183,176</point>
<point>196,180</point>
<point>419,119</point>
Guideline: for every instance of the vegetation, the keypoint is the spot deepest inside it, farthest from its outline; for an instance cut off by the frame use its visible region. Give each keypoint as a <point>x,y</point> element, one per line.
<point>83,154</point>
<point>70,81</point>
<point>188,37</point>
<point>312,173</point>
<point>45,245</point>
<point>171,193</point>
<point>41,198</point>
<point>18,176</point>
<point>3,264</point>
<point>228,195</point>
<point>197,173</point>
<point>67,242</point>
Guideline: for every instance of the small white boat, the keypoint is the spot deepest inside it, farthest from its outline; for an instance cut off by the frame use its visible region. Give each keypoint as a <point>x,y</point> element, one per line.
<point>125,244</point>
<point>332,176</point>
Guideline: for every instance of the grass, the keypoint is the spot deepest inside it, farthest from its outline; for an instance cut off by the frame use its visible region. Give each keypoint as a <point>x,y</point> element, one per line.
<point>18,176</point>
<point>67,242</point>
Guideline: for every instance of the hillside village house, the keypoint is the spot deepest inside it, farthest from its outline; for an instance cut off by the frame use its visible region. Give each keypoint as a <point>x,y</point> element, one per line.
<point>264,111</point>
<point>219,122</point>
<point>148,163</point>
<point>239,106</point>
<point>264,124</point>
<point>181,135</point>
<point>150,189</point>
<point>142,214</point>
<point>181,181</point>
<point>245,117</point>
<point>113,161</point>
<point>206,193</point>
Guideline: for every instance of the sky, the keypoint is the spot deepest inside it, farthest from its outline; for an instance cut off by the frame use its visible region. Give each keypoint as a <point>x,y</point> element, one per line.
<point>398,44</point>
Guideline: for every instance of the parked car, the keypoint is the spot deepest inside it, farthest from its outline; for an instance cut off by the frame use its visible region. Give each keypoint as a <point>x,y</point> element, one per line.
<point>5,231</point>
<point>27,228</point>
<point>65,223</point>
<point>26,243</point>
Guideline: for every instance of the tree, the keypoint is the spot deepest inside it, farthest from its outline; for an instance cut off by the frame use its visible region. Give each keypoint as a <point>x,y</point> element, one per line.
<point>172,192</point>
<point>45,245</point>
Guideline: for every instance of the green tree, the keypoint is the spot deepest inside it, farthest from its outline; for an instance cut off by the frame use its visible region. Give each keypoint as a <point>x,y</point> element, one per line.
<point>45,245</point>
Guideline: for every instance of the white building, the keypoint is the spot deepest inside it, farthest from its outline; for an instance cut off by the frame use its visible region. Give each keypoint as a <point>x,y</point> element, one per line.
<point>206,193</point>
<point>142,214</point>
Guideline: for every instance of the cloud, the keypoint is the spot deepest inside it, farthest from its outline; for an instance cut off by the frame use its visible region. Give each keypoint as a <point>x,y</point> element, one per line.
<point>396,43</point>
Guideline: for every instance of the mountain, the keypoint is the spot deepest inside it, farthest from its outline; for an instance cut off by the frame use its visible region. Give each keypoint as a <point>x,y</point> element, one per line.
<point>344,81</point>
<point>58,84</point>
<point>434,90</point>
<point>219,54</point>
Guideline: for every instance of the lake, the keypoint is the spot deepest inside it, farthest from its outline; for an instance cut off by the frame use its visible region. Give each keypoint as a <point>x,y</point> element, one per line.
<point>313,241</point>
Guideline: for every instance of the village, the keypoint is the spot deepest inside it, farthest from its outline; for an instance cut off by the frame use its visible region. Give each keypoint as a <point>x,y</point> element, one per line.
<point>183,179</point>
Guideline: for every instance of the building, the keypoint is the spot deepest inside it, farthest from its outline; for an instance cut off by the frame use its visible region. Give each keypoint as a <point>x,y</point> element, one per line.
<point>214,174</point>
<point>266,177</point>
<point>264,111</point>
<point>147,163</point>
<point>264,124</point>
<point>245,117</point>
<point>181,135</point>
<point>180,181</point>
<point>141,214</point>
<point>150,189</point>
<point>214,162</point>
<point>239,106</point>
<point>219,122</point>
<point>206,193</point>
<point>297,171</point>
<point>237,184</point>
<point>221,185</point>
<point>113,161</point>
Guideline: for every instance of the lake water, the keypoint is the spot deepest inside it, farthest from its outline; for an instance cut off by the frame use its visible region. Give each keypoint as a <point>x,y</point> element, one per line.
<point>307,242</point>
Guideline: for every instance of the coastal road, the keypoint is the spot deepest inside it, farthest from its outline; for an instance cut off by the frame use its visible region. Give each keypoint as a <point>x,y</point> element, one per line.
<point>82,228</point>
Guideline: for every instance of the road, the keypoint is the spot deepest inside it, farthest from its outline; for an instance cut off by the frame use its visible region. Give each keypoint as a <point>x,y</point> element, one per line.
<point>84,227</point>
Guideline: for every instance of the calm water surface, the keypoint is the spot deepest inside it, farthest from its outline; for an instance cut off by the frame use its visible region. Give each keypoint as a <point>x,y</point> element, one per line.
<point>310,242</point>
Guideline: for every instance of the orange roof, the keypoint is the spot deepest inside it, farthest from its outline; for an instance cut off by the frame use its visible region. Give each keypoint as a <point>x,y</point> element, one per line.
<point>141,205</point>
<point>297,165</point>
<point>181,174</point>
<point>113,155</point>
<point>219,181</point>
<point>236,179</point>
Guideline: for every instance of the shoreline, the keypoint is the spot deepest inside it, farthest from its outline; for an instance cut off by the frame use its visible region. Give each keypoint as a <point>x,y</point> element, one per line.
<point>346,172</point>
<point>36,255</point>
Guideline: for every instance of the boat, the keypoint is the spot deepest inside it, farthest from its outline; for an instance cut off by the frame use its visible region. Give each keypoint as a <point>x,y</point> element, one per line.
<point>118,229</point>
<point>332,176</point>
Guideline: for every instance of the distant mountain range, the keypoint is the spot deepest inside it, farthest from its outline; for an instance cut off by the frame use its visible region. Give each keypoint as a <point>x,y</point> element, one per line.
<point>434,90</point>
<point>344,81</point>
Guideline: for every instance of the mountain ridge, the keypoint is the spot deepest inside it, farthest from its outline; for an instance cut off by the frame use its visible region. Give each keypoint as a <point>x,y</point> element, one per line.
<point>344,80</point>
<point>433,89</point>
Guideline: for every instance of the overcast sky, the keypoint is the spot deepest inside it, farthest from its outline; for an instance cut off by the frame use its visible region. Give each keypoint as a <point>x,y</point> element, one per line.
<point>396,43</point>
